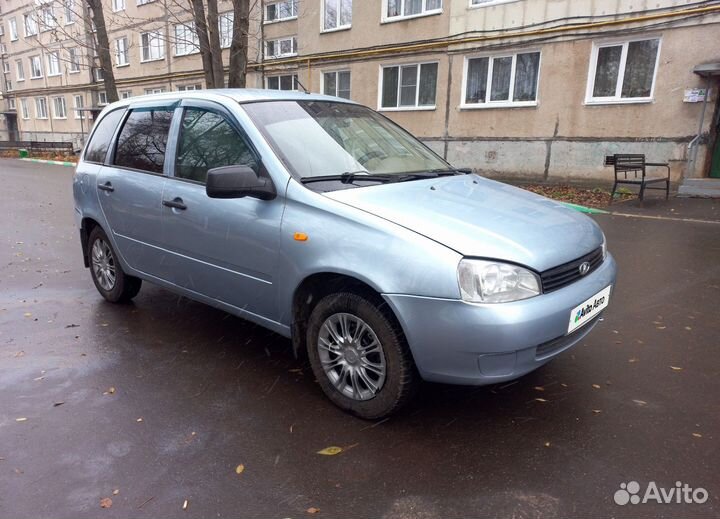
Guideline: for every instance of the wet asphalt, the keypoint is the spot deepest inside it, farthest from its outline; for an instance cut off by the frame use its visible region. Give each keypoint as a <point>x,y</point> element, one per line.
<point>156,403</point>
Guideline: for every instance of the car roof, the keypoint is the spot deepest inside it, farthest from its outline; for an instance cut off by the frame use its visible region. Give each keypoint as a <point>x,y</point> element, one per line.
<point>240,95</point>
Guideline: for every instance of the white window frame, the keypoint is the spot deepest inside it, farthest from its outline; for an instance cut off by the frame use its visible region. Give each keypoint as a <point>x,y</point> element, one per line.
<point>73,66</point>
<point>617,98</point>
<point>338,27</point>
<point>156,90</point>
<point>399,108</point>
<point>53,58</point>
<point>125,94</point>
<point>19,70</point>
<point>509,103</point>
<point>55,107</point>
<point>11,104</point>
<point>47,18</point>
<point>78,113</point>
<point>294,81</point>
<point>118,5</point>
<point>188,41</point>
<point>293,3</point>
<point>190,87</point>
<point>98,74</point>
<point>337,82</point>
<point>144,2</point>
<point>161,47</point>
<point>124,52</point>
<point>24,109</point>
<point>40,67</point>
<point>8,85</point>
<point>479,4</point>
<point>6,66</point>
<point>226,36</point>
<point>68,11</point>
<point>102,98</point>
<point>276,42</point>
<point>423,12</point>
<point>32,25</point>
<point>37,105</point>
<point>12,28</point>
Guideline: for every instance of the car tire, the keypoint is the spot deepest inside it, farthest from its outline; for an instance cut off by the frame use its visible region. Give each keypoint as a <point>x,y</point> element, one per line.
<point>390,371</point>
<point>107,274</point>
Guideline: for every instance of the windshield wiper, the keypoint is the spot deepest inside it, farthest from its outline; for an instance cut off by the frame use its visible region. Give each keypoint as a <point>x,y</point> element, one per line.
<point>348,178</point>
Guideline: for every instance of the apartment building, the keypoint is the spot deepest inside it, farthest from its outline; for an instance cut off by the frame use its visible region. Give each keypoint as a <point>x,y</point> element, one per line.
<point>533,88</point>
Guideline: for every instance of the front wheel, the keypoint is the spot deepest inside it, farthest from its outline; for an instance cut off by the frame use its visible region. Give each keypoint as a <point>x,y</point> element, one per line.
<point>107,274</point>
<point>359,356</point>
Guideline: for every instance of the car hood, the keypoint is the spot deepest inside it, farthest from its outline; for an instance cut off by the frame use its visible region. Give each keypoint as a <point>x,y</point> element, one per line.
<point>478,217</point>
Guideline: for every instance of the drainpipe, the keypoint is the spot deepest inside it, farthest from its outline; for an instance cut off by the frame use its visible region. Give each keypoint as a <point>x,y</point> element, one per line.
<point>695,143</point>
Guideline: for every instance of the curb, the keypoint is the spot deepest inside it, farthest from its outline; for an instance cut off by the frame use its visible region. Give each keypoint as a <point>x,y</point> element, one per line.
<point>583,209</point>
<point>55,162</point>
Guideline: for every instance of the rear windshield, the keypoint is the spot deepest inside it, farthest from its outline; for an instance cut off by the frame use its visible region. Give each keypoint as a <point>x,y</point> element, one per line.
<point>96,149</point>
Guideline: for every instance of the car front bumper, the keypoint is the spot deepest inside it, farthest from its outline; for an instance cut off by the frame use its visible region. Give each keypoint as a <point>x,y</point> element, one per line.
<point>456,342</point>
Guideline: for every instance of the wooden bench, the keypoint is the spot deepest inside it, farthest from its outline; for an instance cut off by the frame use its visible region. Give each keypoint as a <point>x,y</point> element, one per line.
<point>635,165</point>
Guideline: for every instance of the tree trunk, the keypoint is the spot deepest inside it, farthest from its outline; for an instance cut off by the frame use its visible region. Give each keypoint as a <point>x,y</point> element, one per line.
<point>103,49</point>
<point>215,49</point>
<point>239,44</point>
<point>201,28</point>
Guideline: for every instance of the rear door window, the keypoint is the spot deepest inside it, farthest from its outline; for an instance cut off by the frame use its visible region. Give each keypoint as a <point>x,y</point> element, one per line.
<point>102,136</point>
<point>143,140</point>
<point>207,140</point>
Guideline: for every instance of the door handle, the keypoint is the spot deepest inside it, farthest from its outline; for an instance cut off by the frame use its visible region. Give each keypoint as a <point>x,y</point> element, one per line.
<point>107,186</point>
<point>175,203</point>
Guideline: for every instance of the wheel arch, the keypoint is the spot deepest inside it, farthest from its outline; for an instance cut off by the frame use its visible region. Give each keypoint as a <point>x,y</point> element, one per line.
<point>87,224</point>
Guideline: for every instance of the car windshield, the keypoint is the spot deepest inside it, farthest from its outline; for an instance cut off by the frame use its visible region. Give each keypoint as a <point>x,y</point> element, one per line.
<point>328,139</point>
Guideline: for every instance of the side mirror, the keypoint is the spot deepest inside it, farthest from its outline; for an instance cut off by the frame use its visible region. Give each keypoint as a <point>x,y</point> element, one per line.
<point>238,182</point>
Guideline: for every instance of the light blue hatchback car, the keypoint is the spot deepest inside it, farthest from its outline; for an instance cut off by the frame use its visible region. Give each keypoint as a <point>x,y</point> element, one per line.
<point>325,222</point>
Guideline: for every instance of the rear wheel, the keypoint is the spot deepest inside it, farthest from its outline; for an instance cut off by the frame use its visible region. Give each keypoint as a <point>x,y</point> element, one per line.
<point>359,356</point>
<point>107,274</point>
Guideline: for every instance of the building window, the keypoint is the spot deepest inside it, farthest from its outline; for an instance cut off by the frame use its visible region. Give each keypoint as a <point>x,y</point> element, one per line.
<point>409,87</point>
<point>73,60</point>
<point>102,98</point>
<point>69,8</point>
<point>98,74</point>
<point>152,45</point>
<point>285,82</point>
<point>337,84</point>
<point>20,70</point>
<point>186,39</point>
<point>185,88</point>
<point>79,104</point>
<point>47,18</point>
<point>24,109</point>
<point>337,14</point>
<point>281,47</point>
<point>225,21</point>
<point>122,56</point>
<point>8,85</point>
<point>158,90</point>
<point>6,67</point>
<point>35,67</point>
<point>12,22</point>
<point>484,3</point>
<point>399,9</point>
<point>125,94</point>
<point>41,108</point>
<point>143,2</point>
<point>11,103</point>
<point>59,110</point>
<point>30,25</point>
<point>279,11</point>
<point>501,80</point>
<point>623,72</point>
<point>53,60</point>
<point>118,5</point>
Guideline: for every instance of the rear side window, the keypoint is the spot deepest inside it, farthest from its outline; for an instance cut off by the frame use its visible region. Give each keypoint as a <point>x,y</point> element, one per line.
<point>208,141</point>
<point>143,139</point>
<point>100,141</point>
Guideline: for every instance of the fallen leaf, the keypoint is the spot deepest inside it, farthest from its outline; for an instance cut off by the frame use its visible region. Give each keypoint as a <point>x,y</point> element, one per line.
<point>240,469</point>
<point>27,314</point>
<point>564,385</point>
<point>21,419</point>
<point>697,435</point>
<point>185,504</point>
<point>312,510</point>
<point>632,360</point>
<point>547,444</point>
<point>661,327</point>
<point>539,388</point>
<point>38,379</point>
<point>105,502</point>
<point>675,368</point>
<point>330,451</point>
<point>110,391</point>
<point>139,420</point>
<point>597,411</point>
<point>19,354</point>
<point>688,328</point>
<point>640,402</point>
<point>596,386</point>
<point>104,324</point>
<point>540,400</point>
<point>57,404</point>
<point>116,491</point>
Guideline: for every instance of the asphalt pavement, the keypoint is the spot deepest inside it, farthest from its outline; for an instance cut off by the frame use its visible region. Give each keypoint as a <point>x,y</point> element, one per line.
<point>155,405</point>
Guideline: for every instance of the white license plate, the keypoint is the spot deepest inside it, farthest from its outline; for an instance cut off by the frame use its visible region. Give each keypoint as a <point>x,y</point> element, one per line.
<point>587,311</point>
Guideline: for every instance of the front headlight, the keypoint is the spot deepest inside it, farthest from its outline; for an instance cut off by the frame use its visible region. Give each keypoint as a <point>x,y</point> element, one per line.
<point>483,281</point>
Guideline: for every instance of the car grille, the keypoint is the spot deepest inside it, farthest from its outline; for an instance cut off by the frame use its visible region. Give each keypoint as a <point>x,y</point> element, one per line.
<point>562,276</point>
